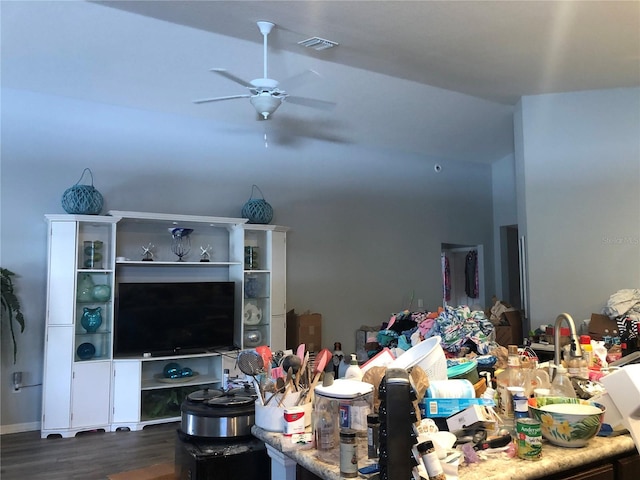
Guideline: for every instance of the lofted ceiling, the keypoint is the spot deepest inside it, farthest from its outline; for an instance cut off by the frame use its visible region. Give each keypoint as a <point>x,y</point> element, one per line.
<point>435,77</point>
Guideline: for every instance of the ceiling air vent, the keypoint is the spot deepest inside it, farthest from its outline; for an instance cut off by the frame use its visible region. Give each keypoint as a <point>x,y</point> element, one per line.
<point>318,43</point>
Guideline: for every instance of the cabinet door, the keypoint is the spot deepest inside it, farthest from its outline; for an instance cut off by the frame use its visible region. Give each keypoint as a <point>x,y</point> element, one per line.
<point>91,394</point>
<point>278,274</point>
<point>627,468</point>
<point>126,391</point>
<point>603,472</point>
<point>62,273</point>
<point>278,336</point>
<point>56,391</point>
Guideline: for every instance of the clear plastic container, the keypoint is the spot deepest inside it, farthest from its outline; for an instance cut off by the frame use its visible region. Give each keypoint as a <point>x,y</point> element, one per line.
<point>348,401</point>
<point>561,385</point>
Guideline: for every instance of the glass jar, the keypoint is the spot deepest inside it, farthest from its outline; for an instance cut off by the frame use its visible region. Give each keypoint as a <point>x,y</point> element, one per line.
<point>373,435</point>
<point>348,454</point>
<point>430,459</point>
<point>251,258</point>
<point>93,254</point>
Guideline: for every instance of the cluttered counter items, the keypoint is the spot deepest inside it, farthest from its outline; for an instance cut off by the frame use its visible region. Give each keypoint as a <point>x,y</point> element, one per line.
<point>554,460</point>
<point>495,466</point>
<point>303,455</point>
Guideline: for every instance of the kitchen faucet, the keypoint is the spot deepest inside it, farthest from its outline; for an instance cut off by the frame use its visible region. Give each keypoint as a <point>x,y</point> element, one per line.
<point>576,351</point>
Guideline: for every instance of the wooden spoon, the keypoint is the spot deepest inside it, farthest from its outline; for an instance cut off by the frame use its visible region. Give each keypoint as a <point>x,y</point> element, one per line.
<point>302,370</point>
<point>293,363</point>
<point>287,386</point>
<point>279,389</point>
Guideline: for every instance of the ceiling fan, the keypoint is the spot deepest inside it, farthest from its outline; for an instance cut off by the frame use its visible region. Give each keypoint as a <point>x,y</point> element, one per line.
<point>265,94</point>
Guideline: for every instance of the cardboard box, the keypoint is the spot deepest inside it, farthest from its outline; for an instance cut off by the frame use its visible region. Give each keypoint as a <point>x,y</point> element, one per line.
<point>305,328</point>
<point>474,416</point>
<point>511,333</point>
<point>598,324</point>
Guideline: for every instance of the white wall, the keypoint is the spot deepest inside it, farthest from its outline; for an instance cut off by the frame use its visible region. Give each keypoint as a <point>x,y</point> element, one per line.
<point>366,225</point>
<point>578,168</point>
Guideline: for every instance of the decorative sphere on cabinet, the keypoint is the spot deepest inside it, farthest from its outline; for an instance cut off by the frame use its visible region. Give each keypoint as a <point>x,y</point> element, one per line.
<point>251,287</point>
<point>91,319</point>
<point>82,199</point>
<point>101,293</point>
<point>257,210</point>
<point>85,351</point>
<point>84,292</point>
<point>172,370</point>
<point>252,338</point>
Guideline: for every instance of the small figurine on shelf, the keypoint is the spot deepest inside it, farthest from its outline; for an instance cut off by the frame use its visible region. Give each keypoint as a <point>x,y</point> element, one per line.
<point>147,255</point>
<point>205,256</point>
<point>180,243</point>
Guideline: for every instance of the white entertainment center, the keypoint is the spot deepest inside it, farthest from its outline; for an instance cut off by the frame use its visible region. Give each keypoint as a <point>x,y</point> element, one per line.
<point>86,387</point>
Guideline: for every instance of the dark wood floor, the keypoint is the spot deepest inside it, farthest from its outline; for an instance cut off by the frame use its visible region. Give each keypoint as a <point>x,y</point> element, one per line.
<point>87,456</point>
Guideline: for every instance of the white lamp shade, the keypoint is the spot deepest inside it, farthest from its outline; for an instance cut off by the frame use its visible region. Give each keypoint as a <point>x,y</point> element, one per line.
<point>265,104</point>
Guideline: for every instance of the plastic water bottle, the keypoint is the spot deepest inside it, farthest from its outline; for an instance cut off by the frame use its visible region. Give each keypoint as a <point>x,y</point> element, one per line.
<point>561,385</point>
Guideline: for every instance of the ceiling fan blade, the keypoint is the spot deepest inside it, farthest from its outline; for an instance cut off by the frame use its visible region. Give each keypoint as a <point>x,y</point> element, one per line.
<point>295,81</point>
<point>310,102</point>
<point>231,76</point>
<point>218,99</point>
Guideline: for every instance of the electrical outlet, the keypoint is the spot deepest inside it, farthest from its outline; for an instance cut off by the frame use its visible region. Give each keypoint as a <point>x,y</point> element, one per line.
<point>17,381</point>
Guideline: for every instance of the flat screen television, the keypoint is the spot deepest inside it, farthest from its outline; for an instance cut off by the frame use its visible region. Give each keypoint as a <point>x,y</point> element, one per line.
<point>173,318</point>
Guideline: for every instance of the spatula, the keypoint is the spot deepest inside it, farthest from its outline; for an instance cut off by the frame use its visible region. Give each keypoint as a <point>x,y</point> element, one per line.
<point>321,361</point>
<point>265,352</point>
<point>300,351</point>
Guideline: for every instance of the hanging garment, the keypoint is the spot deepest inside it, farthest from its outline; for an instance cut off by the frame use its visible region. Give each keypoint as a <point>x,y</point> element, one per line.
<point>471,283</point>
<point>446,273</point>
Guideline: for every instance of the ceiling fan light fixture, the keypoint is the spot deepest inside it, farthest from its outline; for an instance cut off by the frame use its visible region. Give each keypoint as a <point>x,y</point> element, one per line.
<point>265,104</point>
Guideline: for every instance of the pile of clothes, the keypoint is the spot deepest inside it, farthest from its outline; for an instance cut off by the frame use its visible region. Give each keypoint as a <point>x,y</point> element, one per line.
<point>624,307</point>
<point>461,329</point>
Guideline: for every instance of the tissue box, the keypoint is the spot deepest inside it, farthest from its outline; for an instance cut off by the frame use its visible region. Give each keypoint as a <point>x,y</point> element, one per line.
<point>445,407</point>
<point>475,416</point>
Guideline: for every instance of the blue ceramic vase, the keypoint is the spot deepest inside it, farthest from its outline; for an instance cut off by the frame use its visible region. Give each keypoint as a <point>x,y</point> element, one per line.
<point>91,319</point>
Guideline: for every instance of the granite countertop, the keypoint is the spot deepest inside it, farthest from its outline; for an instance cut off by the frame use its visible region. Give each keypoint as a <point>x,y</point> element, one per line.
<point>554,459</point>
<point>496,466</point>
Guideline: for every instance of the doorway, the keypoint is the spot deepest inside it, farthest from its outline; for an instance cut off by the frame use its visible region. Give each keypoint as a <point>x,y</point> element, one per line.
<point>510,260</point>
<point>463,275</point>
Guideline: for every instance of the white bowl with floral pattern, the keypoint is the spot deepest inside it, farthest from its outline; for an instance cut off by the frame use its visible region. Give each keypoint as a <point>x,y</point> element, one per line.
<point>568,422</point>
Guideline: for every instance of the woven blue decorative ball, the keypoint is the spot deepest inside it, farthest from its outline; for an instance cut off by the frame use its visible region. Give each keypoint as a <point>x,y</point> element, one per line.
<point>82,199</point>
<point>257,210</point>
